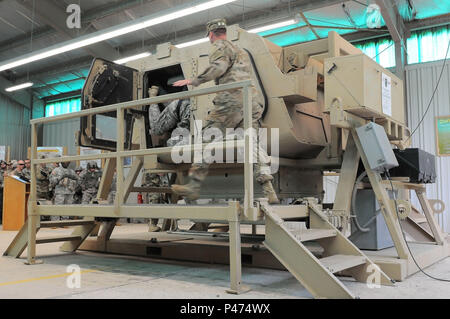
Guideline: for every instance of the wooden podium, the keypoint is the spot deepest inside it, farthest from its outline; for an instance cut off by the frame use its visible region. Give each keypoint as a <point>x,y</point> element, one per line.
<point>15,200</point>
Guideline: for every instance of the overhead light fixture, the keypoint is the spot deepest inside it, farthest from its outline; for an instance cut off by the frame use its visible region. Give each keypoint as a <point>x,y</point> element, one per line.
<point>273,26</point>
<point>132,58</point>
<point>188,44</point>
<point>255,30</point>
<point>19,87</point>
<point>113,32</point>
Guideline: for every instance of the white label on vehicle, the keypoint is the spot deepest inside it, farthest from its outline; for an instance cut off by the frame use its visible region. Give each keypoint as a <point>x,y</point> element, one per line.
<point>386,96</point>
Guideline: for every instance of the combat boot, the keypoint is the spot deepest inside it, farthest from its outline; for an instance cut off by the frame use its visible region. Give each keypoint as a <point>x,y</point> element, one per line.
<point>269,192</point>
<point>191,190</point>
<point>153,226</point>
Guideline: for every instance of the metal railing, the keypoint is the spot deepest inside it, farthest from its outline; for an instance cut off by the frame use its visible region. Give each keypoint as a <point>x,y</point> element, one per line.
<point>120,153</point>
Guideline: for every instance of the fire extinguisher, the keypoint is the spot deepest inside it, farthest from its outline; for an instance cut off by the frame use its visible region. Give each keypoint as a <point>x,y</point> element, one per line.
<point>139,199</point>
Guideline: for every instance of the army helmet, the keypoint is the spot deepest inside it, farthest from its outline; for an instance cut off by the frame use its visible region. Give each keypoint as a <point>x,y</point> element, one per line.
<point>79,169</point>
<point>91,164</point>
<point>215,24</point>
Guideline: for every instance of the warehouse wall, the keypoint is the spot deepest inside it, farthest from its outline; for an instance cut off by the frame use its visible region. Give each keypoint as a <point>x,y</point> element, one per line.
<point>61,133</point>
<point>421,80</point>
<point>14,127</point>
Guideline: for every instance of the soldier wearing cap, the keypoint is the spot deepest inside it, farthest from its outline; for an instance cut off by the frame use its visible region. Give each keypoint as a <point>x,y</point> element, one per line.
<point>90,182</point>
<point>228,64</point>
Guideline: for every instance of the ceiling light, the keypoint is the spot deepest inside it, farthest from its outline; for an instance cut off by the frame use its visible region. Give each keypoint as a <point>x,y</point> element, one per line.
<point>19,87</point>
<point>112,32</point>
<point>188,44</point>
<point>132,58</point>
<point>272,26</point>
<point>256,30</point>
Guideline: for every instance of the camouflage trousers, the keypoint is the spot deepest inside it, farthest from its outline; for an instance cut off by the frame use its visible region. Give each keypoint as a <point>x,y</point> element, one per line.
<point>88,197</point>
<point>62,199</point>
<point>232,117</point>
<point>111,197</point>
<point>152,198</point>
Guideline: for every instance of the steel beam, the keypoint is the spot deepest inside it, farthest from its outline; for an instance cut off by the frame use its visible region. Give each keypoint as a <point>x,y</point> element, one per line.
<point>55,17</point>
<point>22,97</point>
<point>397,30</point>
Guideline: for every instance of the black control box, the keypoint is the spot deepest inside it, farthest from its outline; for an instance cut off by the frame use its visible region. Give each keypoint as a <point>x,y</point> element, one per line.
<point>416,164</point>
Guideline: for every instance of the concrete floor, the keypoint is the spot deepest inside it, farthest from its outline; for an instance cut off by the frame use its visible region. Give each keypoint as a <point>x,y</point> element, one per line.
<point>115,277</point>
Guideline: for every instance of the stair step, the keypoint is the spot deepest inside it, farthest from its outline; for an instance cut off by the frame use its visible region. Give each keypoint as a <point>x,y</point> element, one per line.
<point>63,223</point>
<point>313,234</point>
<point>46,240</point>
<point>420,220</point>
<point>338,263</point>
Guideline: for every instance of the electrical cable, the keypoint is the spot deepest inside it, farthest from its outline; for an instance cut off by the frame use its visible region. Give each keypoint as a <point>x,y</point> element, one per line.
<point>403,233</point>
<point>432,96</point>
<point>364,5</point>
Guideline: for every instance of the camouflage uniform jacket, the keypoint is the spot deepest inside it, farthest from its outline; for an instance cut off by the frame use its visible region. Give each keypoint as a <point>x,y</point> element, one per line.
<point>60,180</point>
<point>228,64</point>
<point>26,173</point>
<point>2,178</point>
<point>176,114</point>
<point>43,179</point>
<point>90,181</point>
<point>17,173</point>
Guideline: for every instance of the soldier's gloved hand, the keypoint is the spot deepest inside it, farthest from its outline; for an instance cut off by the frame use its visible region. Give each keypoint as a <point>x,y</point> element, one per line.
<point>153,91</point>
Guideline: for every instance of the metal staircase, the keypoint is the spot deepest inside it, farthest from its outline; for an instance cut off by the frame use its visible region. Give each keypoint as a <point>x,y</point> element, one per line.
<point>71,242</point>
<point>317,274</point>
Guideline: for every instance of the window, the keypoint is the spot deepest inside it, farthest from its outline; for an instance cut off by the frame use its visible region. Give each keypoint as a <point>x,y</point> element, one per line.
<point>428,45</point>
<point>422,46</point>
<point>380,50</point>
<point>63,107</point>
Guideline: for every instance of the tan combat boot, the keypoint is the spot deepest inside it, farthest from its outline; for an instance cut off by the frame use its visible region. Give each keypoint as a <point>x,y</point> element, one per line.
<point>191,190</point>
<point>153,226</point>
<point>269,192</point>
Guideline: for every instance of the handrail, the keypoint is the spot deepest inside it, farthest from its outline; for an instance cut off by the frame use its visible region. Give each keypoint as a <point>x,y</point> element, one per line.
<point>33,212</point>
<point>147,101</point>
<point>120,153</point>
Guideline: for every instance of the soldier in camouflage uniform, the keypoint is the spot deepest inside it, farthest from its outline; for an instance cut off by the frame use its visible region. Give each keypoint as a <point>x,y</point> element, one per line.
<point>19,170</point>
<point>60,179</point>
<point>43,181</point>
<point>228,64</point>
<point>90,181</point>
<point>76,186</point>
<point>176,114</point>
<point>26,172</point>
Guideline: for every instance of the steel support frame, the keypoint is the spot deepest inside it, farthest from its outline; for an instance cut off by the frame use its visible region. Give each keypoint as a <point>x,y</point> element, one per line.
<point>232,213</point>
<point>397,30</point>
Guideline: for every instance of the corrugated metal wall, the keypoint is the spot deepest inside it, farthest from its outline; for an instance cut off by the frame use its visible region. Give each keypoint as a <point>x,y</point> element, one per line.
<point>421,80</point>
<point>14,127</point>
<point>61,133</point>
